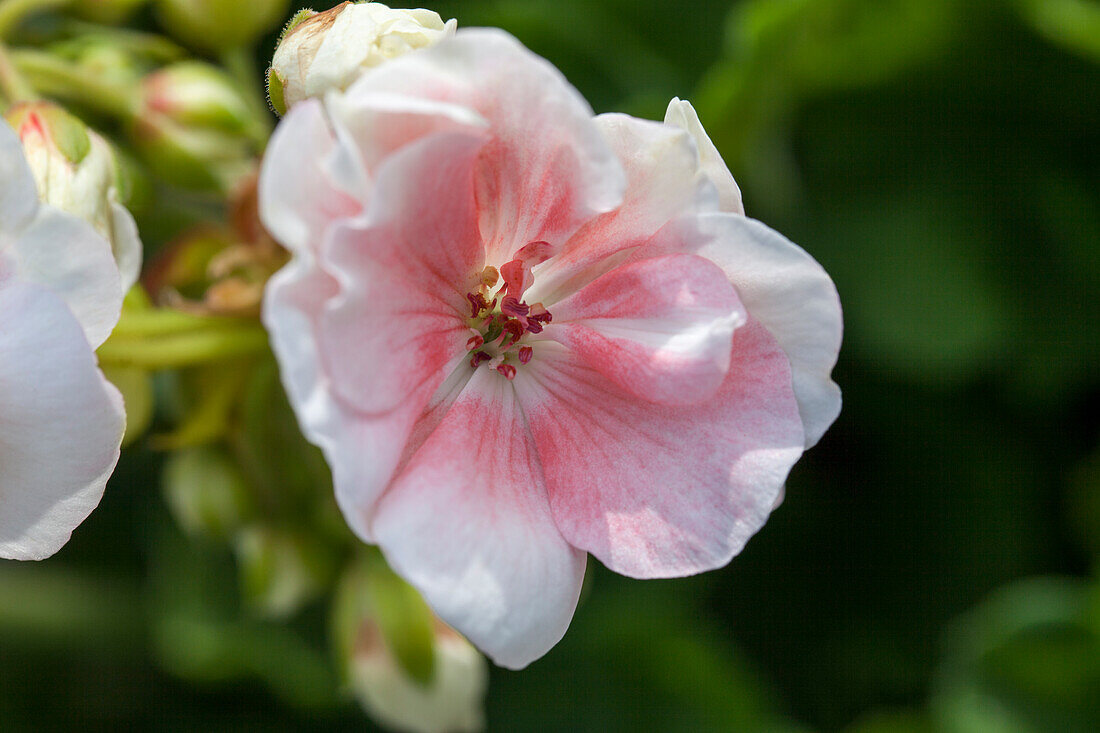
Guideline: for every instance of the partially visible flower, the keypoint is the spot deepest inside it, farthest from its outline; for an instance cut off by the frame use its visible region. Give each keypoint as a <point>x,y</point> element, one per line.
<point>215,26</point>
<point>522,333</point>
<point>61,421</point>
<point>451,702</point>
<point>75,170</point>
<point>329,50</point>
<point>194,128</point>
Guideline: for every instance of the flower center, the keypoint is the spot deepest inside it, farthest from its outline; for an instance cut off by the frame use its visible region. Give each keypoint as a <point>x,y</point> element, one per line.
<point>499,316</point>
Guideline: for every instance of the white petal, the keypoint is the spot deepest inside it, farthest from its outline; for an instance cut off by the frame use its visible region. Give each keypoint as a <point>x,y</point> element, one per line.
<point>67,256</point>
<point>61,423</point>
<point>126,245</point>
<point>18,196</point>
<point>298,190</point>
<point>790,293</point>
<point>681,114</point>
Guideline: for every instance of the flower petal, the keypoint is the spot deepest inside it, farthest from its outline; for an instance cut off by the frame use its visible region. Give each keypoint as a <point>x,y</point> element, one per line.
<point>659,328</point>
<point>468,524</point>
<point>664,182</point>
<point>61,423</point>
<point>404,271</point>
<point>299,187</point>
<point>681,114</point>
<point>126,246</point>
<point>656,491</point>
<point>18,195</point>
<point>792,296</point>
<point>546,169</point>
<point>66,255</point>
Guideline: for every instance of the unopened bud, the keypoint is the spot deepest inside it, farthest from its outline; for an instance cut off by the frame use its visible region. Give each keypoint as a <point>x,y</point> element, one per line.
<point>281,571</point>
<point>75,170</point>
<point>408,669</point>
<point>451,701</point>
<point>194,128</point>
<point>206,492</point>
<point>330,50</point>
<point>214,26</point>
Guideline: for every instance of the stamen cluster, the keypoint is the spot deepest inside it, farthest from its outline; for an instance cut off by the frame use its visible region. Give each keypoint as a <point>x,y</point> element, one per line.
<point>501,319</point>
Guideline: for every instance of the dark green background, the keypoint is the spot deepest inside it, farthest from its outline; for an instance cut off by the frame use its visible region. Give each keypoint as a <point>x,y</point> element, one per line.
<point>942,161</point>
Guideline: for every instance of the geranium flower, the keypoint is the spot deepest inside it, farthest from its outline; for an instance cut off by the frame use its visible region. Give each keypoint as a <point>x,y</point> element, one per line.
<point>61,422</point>
<point>522,334</point>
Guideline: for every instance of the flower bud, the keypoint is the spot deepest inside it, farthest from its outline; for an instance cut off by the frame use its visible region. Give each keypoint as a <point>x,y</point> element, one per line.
<point>194,128</point>
<point>206,492</point>
<point>451,701</point>
<point>329,50</point>
<point>76,171</point>
<point>382,629</point>
<point>280,571</point>
<point>214,26</point>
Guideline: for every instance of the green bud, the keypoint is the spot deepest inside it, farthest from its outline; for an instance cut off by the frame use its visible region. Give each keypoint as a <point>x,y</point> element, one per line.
<point>109,12</point>
<point>193,128</point>
<point>215,26</point>
<point>281,571</point>
<point>206,492</point>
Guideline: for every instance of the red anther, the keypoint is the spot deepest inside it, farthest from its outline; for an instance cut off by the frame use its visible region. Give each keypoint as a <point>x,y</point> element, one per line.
<point>479,358</point>
<point>475,342</point>
<point>540,314</point>
<point>525,354</point>
<point>514,329</point>
<point>512,307</point>
<point>533,326</point>
<point>477,303</point>
<point>508,371</point>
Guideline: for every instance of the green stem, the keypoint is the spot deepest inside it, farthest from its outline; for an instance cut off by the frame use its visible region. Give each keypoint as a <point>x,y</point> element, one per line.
<point>241,65</point>
<point>184,349</point>
<point>152,323</point>
<point>12,12</point>
<point>56,77</point>
<point>13,86</point>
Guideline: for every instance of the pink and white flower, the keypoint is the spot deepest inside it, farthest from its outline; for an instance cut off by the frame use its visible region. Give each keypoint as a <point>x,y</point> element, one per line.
<point>61,422</point>
<point>522,333</point>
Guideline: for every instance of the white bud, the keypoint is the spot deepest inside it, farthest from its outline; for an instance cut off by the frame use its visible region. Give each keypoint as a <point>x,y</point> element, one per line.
<point>75,170</point>
<point>450,702</point>
<point>330,50</point>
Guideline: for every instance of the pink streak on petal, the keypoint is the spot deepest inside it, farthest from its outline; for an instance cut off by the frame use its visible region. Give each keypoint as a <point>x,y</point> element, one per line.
<point>659,328</point>
<point>404,271</point>
<point>547,168</point>
<point>657,491</point>
<point>468,524</point>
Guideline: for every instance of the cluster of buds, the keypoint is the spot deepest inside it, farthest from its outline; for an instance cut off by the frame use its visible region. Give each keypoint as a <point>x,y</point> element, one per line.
<point>194,127</point>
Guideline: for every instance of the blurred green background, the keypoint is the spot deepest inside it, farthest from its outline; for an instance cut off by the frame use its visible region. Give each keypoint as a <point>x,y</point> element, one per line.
<point>934,567</point>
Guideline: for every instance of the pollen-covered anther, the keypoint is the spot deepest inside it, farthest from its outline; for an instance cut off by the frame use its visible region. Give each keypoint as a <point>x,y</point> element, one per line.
<point>489,276</point>
<point>507,370</point>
